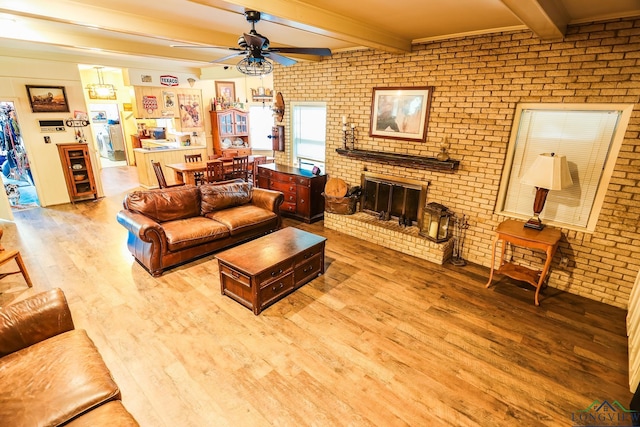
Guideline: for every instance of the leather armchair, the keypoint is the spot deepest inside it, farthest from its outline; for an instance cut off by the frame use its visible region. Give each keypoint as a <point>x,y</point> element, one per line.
<point>50,372</point>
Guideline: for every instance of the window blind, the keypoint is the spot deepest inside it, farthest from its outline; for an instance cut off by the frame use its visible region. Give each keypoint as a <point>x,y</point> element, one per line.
<point>584,137</point>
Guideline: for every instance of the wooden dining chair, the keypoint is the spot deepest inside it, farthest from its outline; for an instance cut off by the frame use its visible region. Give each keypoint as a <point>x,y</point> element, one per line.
<point>214,172</point>
<point>8,255</point>
<point>239,168</point>
<point>257,160</point>
<point>162,183</point>
<point>193,158</point>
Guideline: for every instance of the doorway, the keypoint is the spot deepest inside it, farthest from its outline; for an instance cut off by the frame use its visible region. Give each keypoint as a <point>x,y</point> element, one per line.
<point>107,130</point>
<point>14,162</point>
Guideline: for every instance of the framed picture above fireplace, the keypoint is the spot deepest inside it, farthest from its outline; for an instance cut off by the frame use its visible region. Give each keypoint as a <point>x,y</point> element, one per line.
<point>400,112</point>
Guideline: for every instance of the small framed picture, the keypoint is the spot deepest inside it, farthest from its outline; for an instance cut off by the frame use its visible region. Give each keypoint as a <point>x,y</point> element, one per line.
<point>98,117</point>
<point>226,91</point>
<point>48,99</point>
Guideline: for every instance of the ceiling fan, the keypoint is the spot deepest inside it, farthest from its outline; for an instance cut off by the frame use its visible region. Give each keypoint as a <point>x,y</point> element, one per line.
<point>256,50</point>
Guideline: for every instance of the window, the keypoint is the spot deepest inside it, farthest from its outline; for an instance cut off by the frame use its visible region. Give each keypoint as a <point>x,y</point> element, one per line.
<point>309,130</point>
<point>260,123</point>
<point>589,135</point>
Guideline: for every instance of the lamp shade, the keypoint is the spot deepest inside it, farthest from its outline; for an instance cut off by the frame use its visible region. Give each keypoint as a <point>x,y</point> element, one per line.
<point>548,171</point>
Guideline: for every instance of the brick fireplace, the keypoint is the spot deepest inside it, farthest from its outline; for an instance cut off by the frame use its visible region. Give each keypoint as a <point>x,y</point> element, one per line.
<point>390,215</point>
<point>392,198</point>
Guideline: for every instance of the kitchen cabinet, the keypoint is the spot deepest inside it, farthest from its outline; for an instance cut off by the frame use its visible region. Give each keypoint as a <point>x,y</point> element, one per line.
<point>230,131</point>
<point>302,190</point>
<point>78,172</point>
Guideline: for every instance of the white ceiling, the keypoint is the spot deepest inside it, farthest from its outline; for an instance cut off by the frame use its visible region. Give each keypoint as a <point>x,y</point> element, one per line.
<point>139,33</point>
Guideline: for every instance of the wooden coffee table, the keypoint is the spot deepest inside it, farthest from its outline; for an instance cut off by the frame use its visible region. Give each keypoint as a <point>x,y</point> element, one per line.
<point>263,271</point>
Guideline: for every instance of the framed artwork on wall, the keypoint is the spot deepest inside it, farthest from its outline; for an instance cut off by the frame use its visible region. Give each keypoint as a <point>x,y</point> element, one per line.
<point>400,112</point>
<point>190,111</point>
<point>98,117</point>
<point>48,99</point>
<point>226,91</point>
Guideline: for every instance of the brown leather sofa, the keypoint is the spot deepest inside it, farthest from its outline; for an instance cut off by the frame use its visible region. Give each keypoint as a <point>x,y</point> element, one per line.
<point>51,374</point>
<point>172,226</point>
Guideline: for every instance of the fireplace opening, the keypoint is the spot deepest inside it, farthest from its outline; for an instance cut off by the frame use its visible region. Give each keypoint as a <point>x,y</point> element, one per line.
<point>393,198</point>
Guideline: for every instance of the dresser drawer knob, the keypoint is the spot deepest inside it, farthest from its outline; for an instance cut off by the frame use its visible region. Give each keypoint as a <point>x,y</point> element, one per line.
<point>275,288</point>
<point>275,273</point>
<point>310,268</point>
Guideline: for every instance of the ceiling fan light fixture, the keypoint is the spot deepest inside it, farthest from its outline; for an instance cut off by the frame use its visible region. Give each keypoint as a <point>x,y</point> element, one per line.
<point>254,66</point>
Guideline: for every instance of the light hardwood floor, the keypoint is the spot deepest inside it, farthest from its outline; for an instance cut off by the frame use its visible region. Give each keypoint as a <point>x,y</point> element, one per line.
<point>381,339</point>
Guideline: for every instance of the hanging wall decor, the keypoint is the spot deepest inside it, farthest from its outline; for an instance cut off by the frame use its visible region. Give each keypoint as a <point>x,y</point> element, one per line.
<point>48,99</point>
<point>400,112</point>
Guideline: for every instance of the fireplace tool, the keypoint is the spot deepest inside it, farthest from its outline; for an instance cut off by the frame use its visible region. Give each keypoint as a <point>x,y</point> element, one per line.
<point>459,234</point>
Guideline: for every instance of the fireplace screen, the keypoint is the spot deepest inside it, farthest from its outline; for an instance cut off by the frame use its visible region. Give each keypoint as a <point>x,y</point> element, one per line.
<point>393,198</point>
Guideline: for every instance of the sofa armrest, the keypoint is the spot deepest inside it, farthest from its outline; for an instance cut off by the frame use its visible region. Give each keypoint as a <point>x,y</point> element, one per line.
<point>32,320</point>
<point>141,226</point>
<point>267,199</point>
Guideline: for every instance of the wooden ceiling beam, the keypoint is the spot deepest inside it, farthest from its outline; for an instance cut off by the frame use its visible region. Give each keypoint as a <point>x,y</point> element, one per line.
<point>75,13</point>
<point>546,18</point>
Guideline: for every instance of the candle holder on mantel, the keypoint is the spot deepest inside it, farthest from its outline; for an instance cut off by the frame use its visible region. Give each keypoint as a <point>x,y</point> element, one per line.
<point>349,134</point>
<point>443,156</point>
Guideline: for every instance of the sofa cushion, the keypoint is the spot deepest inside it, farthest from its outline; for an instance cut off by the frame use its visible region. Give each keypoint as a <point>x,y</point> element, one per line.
<point>166,204</point>
<point>53,381</point>
<point>241,219</point>
<point>110,414</point>
<point>222,196</point>
<point>185,233</point>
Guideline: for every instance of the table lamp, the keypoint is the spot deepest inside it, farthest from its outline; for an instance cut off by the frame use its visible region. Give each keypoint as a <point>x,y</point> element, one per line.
<point>548,172</point>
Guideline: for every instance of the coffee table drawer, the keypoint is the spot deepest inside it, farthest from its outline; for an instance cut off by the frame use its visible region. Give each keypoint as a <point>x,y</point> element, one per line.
<point>272,291</point>
<point>237,276</point>
<point>307,254</point>
<point>271,273</point>
<point>236,286</point>
<point>306,271</point>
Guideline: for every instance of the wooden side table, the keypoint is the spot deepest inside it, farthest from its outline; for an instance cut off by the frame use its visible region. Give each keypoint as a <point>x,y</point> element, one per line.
<point>514,232</point>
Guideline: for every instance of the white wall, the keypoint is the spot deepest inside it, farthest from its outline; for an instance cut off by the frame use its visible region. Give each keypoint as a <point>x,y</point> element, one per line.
<point>15,74</point>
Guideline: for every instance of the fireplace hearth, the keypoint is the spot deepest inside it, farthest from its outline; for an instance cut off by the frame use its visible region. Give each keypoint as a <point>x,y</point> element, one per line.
<point>397,197</point>
<point>393,198</point>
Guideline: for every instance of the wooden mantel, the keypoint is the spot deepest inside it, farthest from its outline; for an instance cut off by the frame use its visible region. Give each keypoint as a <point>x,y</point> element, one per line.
<point>430,163</point>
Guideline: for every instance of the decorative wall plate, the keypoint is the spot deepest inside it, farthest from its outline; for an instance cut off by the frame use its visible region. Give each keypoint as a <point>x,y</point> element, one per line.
<point>278,107</point>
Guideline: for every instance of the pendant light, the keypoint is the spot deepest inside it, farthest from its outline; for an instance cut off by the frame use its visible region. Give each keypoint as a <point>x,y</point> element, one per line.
<point>101,90</point>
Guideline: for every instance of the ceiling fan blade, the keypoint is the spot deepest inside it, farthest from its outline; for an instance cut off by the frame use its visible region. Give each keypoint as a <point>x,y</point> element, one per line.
<point>254,41</point>
<point>320,51</point>
<point>224,58</point>
<point>282,60</point>
<point>194,46</point>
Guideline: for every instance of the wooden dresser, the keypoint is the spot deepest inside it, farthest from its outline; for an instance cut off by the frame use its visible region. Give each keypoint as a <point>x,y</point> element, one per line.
<point>302,190</point>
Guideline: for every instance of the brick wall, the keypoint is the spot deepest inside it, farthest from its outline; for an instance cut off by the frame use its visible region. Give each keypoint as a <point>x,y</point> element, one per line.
<point>478,81</point>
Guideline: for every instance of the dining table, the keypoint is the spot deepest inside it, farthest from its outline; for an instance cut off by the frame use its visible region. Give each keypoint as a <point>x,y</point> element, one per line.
<point>184,172</point>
